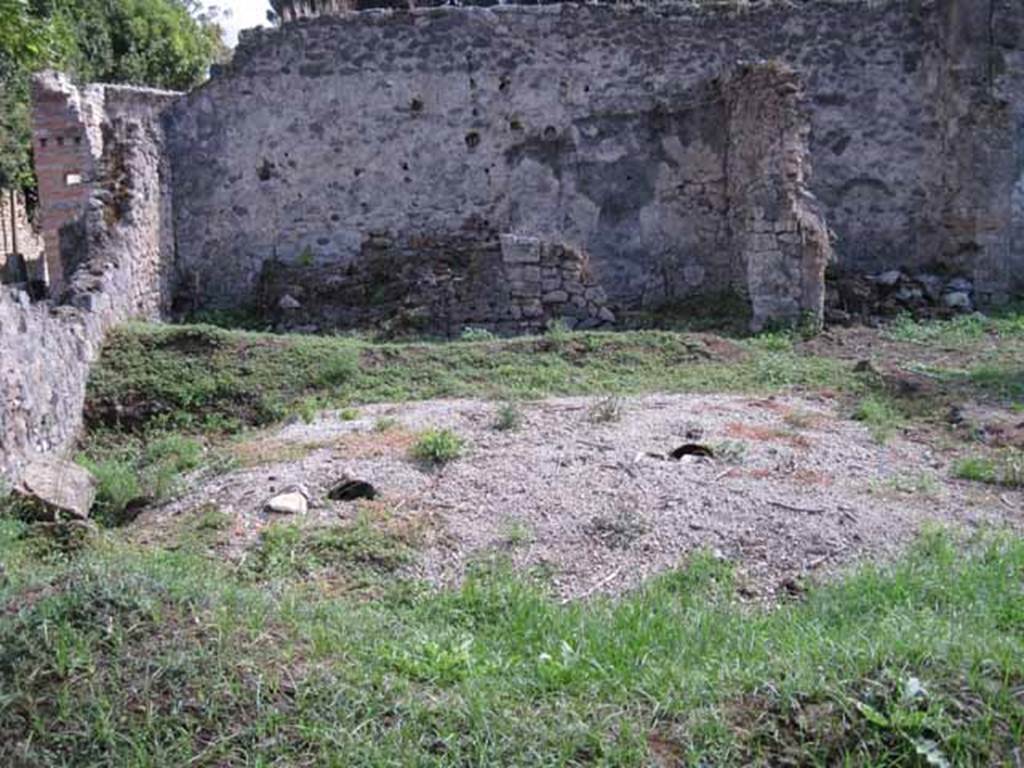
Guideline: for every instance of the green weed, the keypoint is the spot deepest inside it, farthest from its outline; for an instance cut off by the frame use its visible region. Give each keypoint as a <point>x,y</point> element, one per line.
<point>879,415</point>
<point>508,418</point>
<point>438,446</point>
<point>386,424</point>
<point>477,335</point>
<point>1004,468</point>
<point>117,487</point>
<point>133,473</point>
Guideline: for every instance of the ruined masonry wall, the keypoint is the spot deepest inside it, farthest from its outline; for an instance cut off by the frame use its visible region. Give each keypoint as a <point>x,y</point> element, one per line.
<point>604,128</point>
<point>46,348</point>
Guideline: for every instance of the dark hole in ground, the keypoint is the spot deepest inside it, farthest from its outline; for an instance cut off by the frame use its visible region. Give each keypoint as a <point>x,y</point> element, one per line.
<point>349,489</point>
<point>692,449</point>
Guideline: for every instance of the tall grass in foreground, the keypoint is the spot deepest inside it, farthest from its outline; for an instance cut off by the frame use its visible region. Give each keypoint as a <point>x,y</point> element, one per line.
<point>130,658</point>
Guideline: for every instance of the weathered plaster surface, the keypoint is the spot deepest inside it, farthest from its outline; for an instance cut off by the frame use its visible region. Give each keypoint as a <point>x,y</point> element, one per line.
<point>603,127</point>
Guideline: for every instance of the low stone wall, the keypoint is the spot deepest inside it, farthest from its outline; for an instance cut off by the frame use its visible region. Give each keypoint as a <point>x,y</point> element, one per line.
<point>46,348</point>
<point>438,286</point>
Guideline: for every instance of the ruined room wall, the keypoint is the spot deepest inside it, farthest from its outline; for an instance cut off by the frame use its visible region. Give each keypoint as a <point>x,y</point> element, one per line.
<point>68,125</point>
<point>596,126</point>
<point>46,347</point>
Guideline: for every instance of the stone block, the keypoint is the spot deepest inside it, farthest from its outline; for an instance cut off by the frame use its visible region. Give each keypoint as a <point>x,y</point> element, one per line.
<point>520,250</point>
<point>55,490</point>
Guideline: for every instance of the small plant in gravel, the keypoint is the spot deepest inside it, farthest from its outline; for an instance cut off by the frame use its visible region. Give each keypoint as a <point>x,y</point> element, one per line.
<point>438,446</point>
<point>607,410</point>
<point>348,414</point>
<point>1006,469</point>
<point>385,424</point>
<point>879,416</point>
<point>800,419</point>
<point>306,409</point>
<point>915,484</point>
<point>508,418</point>
<point>516,533</point>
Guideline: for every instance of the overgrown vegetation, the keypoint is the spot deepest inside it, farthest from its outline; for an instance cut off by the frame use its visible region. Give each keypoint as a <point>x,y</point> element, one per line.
<point>963,330</point>
<point>201,378</point>
<point>317,648</point>
<point>131,474</point>
<point>189,662</point>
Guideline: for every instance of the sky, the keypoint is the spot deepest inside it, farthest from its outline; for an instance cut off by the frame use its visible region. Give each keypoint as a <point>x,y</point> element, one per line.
<point>244,14</point>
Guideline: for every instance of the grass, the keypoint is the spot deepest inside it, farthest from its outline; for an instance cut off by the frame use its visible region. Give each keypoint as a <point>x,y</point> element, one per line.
<point>206,379</point>
<point>960,331</point>
<point>879,415</point>
<point>133,472</point>
<point>357,552</point>
<point>127,657</point>
<point>438,447</point>
<point>1005,468</point>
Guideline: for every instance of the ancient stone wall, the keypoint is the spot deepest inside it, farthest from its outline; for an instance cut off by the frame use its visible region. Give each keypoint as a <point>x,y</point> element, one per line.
<point>782,242</point>
<point>604,128</point>
<point>69,125</point>
<point>46,347</point>
<point>439,286</point>
<point>982,144</point>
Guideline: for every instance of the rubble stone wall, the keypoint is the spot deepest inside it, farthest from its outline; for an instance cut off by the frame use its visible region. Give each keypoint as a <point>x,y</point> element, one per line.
<point>605,128</point>
<point>440,286</point>
<point>46,347</point>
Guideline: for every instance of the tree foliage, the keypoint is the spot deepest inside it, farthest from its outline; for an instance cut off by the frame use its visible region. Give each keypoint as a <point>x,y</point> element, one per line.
<point>157,43</point>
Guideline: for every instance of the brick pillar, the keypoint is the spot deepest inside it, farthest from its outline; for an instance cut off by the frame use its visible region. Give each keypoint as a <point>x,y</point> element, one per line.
<point>67,142</point>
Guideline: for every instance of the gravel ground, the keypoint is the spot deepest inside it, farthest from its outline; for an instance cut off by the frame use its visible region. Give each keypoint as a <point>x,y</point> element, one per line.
<point>794,490</point>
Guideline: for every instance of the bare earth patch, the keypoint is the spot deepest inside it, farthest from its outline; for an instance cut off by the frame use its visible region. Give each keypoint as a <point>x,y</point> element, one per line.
<point>793,492</point>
